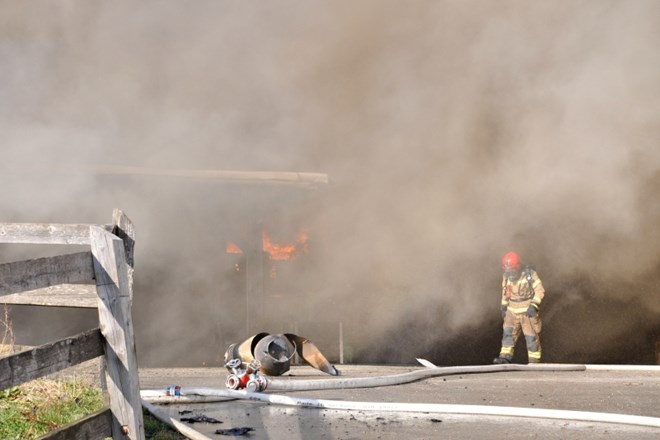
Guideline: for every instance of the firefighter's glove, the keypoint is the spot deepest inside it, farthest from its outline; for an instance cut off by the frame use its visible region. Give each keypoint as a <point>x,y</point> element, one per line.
<point>532,310</point>
<point>503,312</point>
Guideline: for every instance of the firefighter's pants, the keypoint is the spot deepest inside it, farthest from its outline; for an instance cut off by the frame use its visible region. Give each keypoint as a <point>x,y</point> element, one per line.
<point>514,323</point>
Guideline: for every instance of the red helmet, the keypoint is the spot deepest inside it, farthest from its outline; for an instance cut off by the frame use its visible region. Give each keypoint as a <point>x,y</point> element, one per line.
<point>511,261</point>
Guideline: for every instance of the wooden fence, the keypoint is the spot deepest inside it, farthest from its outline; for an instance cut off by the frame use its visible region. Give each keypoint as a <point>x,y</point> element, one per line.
<point>101,278</point>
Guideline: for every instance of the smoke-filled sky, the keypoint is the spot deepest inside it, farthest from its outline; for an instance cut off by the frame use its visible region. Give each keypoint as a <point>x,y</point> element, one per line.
<point>451,132</point>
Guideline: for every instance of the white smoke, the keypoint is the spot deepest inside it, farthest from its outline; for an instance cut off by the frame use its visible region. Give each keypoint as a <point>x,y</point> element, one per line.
<point>451,132</point>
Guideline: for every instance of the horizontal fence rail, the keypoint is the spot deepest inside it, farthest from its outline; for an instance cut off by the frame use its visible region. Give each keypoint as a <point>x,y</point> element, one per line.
<point>50,358</point>
<point>97,426</point>
<point>45,272</point>
<point>63,295</point>
<point>46,233</point>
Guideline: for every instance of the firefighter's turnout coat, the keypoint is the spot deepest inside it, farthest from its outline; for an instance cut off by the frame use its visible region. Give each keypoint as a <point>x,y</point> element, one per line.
<point>517,297</point>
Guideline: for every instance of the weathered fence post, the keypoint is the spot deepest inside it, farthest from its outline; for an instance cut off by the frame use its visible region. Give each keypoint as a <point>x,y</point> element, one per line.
<point>113,285</point>
<point>122,227</point>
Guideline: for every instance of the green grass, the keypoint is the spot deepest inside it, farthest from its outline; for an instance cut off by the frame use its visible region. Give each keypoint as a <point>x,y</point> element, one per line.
<point>40,406</point>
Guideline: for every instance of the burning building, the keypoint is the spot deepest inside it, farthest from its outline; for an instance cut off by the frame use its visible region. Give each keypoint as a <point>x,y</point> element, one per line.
<point>251,263</point>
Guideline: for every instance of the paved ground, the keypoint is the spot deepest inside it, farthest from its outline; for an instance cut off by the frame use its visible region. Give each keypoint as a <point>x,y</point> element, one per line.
<point>632,392</point>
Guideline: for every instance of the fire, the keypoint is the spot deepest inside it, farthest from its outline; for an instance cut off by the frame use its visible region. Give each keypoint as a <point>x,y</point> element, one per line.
<point>278,251</point>
<point>232,248</point>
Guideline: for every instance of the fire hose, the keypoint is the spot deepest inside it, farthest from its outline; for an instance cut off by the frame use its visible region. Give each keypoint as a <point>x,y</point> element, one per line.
<point>483,410</point>
<point>195,394</point>
<point>187,395</point>
<point>411,376</point>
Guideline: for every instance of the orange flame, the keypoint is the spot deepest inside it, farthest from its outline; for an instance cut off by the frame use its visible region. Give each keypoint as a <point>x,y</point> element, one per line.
<point>277,251</point>
<point>232,248</point>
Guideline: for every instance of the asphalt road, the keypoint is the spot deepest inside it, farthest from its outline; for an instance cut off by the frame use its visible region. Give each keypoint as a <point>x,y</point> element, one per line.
<point>630,391</point>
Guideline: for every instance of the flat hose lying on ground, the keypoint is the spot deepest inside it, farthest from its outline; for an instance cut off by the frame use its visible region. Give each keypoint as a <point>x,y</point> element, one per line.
<point>188,395</point>
<point>440,408</point>
<point>411,376</point>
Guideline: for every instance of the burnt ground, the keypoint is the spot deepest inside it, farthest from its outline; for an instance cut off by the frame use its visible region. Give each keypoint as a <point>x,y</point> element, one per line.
<point>630,391</point>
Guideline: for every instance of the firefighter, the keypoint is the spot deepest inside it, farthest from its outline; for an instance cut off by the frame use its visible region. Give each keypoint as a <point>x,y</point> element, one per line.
<point>522,293</point>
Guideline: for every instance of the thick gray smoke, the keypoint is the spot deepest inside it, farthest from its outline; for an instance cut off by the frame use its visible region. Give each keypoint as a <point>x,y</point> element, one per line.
<point>451,132</point>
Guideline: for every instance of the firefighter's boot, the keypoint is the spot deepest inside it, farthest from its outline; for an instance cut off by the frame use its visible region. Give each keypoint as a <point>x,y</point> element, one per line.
<point>502,360</point>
